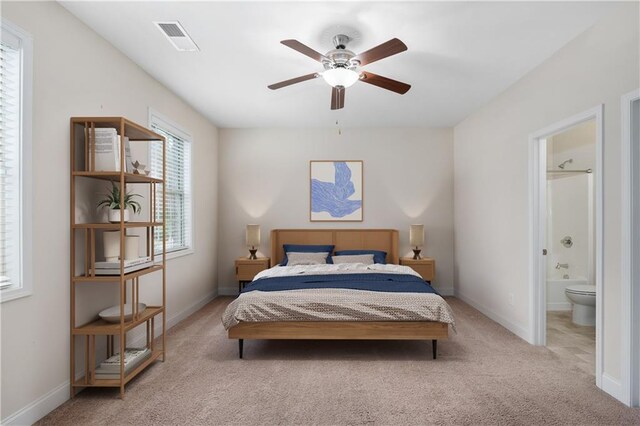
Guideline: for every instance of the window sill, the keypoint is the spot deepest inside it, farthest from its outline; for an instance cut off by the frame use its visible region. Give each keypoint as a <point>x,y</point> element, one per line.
<point>175,254</point>
<point>14,293</point>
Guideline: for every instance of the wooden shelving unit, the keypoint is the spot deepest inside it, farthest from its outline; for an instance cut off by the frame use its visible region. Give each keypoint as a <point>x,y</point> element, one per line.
<point>102,327</point>
<point>113,176</point>
<point>115,225</point>
<point>83,255</point>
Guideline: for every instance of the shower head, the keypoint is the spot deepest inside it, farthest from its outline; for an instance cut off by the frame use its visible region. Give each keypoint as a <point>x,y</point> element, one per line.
<point>561,165</point>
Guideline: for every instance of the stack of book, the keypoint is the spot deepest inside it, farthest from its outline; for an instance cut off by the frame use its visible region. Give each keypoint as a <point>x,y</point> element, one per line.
<point>133,357</point>
<point>113,268</point>
<point>106,147</point>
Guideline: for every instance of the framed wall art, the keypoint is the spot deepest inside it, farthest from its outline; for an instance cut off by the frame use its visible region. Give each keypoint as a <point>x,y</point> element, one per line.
<point>336,191</point>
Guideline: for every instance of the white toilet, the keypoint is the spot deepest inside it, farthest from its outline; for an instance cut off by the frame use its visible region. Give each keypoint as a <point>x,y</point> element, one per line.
<point>583,298</point>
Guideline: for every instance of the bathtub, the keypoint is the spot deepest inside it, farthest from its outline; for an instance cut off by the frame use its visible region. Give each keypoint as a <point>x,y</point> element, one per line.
<point>556,299</point>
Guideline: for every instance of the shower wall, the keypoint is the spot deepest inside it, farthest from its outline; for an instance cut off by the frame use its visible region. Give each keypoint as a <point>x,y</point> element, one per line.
<point>577,143</point>
<point>570,212</point>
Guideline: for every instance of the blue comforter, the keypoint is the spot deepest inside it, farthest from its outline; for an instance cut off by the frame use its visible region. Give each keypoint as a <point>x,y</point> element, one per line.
<point>394,283</point>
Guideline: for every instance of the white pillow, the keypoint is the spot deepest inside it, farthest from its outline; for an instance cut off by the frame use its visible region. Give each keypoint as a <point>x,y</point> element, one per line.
<point>367,259</point>
<point>294,258</point>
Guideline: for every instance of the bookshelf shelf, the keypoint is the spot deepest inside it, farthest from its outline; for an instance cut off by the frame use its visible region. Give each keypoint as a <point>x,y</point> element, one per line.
<point>115,225</point>
<point>115,177</point>
<point>85,382</point>
<point>102,327</point>
<point>112,278</point>
<point>133,130</point>
<point>92,152</point>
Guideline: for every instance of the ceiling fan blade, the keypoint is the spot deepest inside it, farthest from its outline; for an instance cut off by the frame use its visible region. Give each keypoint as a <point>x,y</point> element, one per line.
<point>293,81</point>
<point>305,50</point>
<point>337,97</point>
<point>382,51</point>
<point>384,82</point>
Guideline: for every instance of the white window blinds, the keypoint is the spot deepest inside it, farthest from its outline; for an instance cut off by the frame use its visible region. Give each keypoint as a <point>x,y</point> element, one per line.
<point>16,58</point>
<point>178,187</point>
<point>10,163</point>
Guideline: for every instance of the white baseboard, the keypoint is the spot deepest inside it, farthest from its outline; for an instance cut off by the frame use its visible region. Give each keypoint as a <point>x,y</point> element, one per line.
<point>558,306</point>
<point>191,309</point>
<point>39,408</point>
<point>48,402</point>
<point>228,291</point>
<point>445,291</point>
<point>139,338</point>
<point>517,329</point>
<point>614,388</point>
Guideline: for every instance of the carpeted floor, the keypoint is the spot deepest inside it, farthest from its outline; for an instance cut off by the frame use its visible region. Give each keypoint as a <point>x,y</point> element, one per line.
<point>483,375</point>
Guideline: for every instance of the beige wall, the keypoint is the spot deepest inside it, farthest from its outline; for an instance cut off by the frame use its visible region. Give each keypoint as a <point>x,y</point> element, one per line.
<point>264,178</point>
<point>77,73</point>
<point>491,171</point>
<point>262,175</point>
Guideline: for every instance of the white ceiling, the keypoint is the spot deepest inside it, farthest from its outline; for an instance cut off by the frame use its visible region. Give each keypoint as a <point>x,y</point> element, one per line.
<point>460,55</point>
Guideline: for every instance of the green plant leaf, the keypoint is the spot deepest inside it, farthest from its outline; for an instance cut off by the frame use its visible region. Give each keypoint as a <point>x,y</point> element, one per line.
<point>112,199</point>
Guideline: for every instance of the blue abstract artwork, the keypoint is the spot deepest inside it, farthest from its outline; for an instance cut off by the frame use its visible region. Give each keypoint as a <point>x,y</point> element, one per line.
<point>336,191</point>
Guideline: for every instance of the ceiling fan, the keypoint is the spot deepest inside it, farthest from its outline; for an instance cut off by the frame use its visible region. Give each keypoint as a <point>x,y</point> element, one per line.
<point>341,67</point>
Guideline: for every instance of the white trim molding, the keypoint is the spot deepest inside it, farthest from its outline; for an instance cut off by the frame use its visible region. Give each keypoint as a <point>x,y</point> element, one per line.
<point>518,329</point>
<point>228,291</point>
<point>612,386</point>
<point>630,368</point>
<point>157,119</point>
<point>445,291</point>
<point>39,408</point>
<point>537,227</point>
<point>25,288</point>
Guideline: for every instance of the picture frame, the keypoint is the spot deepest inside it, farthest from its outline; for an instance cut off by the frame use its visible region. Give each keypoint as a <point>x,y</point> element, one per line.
<point>336,191</point>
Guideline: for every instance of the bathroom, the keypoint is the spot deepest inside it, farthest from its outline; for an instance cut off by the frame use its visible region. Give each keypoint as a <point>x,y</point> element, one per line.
<point>570,233</point>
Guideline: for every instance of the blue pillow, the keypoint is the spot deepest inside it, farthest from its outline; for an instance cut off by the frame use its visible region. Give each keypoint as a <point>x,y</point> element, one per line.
<point>378,256</point>
<point>301,248</point>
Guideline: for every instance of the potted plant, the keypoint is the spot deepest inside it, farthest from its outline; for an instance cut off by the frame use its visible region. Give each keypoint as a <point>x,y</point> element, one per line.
<point>112,200</point>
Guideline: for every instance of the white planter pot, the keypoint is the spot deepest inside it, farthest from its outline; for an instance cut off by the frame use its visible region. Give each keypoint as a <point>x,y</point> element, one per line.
<point>112,246</point>
<point>114,215</point>
<point>131,247</point>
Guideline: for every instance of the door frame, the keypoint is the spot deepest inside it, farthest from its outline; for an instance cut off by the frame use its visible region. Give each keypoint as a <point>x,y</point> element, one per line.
<point>537,228</point>
<point>630,187</point>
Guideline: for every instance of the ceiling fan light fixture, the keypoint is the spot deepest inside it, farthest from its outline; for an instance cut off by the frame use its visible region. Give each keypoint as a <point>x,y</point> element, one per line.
<point>342,67</point>
<point>340,77</point>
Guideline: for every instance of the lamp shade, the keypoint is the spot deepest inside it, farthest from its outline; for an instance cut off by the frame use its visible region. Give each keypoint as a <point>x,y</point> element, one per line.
<point>340,77</point>
<point>416,235</point>
<point>253,235</point>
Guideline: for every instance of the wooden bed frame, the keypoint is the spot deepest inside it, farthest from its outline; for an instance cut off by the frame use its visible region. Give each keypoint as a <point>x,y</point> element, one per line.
<point>343,239</point>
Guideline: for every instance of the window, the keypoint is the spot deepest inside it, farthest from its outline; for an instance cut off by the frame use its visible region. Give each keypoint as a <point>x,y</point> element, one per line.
<point>15,158</point>
<point>179,219</point>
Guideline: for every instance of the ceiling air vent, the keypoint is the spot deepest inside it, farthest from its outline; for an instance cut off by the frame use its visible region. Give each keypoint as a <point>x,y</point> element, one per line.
<point>174,32</point>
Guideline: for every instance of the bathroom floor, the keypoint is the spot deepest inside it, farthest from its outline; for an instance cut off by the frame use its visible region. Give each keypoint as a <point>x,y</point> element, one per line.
<point>572,342</point>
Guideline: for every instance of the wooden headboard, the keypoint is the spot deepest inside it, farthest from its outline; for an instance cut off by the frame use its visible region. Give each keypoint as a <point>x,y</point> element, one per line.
<point>343,239</point>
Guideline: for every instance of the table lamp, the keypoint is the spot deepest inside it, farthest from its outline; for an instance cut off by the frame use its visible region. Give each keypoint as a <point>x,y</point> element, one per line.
<point>253,239</point>
<point>416,239</point>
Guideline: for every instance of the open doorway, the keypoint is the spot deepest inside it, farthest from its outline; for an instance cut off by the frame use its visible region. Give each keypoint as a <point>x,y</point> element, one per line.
<point>566,240</point>
<point>570,236</point>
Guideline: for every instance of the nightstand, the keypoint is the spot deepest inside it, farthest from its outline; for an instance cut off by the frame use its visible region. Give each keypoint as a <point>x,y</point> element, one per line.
<point>247,268</point>
<point>426,267</point>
